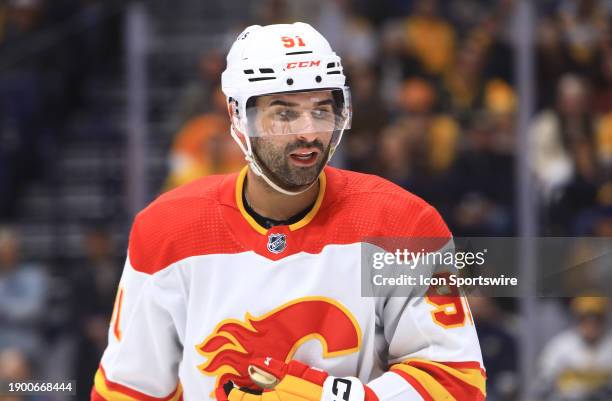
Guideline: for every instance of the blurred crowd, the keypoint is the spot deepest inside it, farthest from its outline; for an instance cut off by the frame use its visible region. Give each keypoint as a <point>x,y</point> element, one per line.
<point>49,328</point>
<point>47,51</point>
<point>434,103</point>
<point>56,329</point>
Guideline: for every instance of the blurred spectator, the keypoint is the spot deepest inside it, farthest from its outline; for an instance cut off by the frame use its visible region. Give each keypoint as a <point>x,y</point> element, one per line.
<point>204,146</point>
<point>602,94</point>
<point>561,137</point>
<point>480,193</point>
<point>369,115</point>
<point>499,349</point>
<point>603,142</point>
<point>584,24</point>
<point>574,39</point>
<point>481,186</point>
<point>500,101</point>
<point>196,97</point>
<point>577,364</point>
<point>463,82</point>
<point>417,150</point>
<point>393,61</point>
<point>393,158</point>
<point>553,60</point>
<point>349,34</point>
<point>573,158</point>
<point>429,37</point>
<point>95,284</point>
<point>438,132</point>
<point>23,290</point>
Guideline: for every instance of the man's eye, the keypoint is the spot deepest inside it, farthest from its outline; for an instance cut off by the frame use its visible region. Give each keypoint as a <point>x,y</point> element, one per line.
<point>321,114</point>
<point>286,115</point>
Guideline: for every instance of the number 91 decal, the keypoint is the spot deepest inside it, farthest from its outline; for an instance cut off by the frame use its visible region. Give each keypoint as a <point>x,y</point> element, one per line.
<point>290,42</point>
<point>451,309</point>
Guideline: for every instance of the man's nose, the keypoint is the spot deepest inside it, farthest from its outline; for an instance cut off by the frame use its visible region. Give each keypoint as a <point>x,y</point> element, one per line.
<point>308,131</point>
<point>308,136</point>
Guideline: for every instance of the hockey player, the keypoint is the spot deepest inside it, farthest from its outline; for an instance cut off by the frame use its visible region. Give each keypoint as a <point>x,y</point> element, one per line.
<point>247,286</point>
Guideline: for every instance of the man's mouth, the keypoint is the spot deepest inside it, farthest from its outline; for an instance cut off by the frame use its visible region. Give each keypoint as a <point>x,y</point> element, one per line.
<point>304,157</point>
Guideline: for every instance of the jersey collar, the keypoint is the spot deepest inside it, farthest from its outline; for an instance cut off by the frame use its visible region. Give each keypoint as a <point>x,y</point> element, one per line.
<point>295,226</point>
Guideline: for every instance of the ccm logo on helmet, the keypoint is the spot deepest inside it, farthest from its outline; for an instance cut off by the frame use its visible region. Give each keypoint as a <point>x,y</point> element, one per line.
<point>303,64</point>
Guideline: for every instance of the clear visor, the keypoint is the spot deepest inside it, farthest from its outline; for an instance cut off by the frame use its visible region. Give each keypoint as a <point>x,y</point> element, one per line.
<point>309,112</point>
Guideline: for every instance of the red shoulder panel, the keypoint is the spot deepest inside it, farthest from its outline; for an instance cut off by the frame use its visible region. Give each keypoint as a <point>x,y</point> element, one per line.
<point>181,223</point>
<point>369,205</point>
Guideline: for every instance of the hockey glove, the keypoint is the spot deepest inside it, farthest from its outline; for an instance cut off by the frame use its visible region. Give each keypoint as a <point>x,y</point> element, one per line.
<point>294,381</point>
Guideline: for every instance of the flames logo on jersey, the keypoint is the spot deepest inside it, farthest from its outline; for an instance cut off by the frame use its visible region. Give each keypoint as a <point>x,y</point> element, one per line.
<point>278,334</point>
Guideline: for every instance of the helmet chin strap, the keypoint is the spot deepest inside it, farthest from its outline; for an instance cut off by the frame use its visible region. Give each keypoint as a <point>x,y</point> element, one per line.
<point>250,158</point>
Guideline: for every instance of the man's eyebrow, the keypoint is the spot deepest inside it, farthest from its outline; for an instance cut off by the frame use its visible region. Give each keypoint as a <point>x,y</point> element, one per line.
<point>279,102</point>
<point>324,102</point>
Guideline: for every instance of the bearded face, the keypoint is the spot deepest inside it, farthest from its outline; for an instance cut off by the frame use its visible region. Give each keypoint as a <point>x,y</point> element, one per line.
<point>294,135</point>
<point>292,165</point>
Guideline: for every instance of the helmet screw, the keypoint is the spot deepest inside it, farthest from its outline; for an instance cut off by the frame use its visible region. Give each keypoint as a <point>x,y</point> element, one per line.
<point>289,81</point>
<point>318,78</point>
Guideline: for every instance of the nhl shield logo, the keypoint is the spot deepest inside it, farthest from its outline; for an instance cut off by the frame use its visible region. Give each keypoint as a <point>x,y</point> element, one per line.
<point>277,243</point>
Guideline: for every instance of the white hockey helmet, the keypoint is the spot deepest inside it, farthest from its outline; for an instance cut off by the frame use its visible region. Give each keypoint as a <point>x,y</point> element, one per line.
<point>282,58</point>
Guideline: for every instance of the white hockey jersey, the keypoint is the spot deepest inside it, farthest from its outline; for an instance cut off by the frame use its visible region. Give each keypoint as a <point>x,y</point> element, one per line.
<point>205,289</point>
